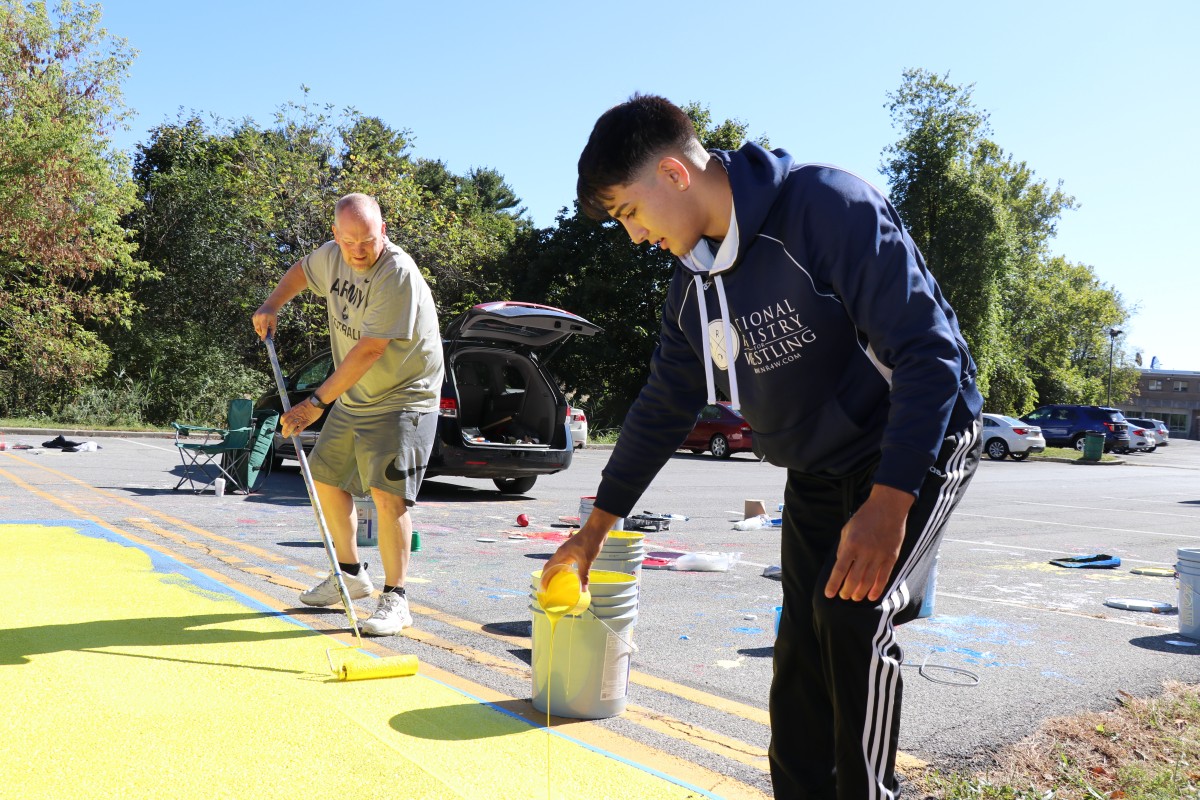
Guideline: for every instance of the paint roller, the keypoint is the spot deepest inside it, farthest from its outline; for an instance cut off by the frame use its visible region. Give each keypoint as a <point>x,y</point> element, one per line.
<point>352,668</point>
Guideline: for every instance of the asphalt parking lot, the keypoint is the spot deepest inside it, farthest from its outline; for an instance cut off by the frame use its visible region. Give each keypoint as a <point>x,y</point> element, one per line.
<point>1013,640</point>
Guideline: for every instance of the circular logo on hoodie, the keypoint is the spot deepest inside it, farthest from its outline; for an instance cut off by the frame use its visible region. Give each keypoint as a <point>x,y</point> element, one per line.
<point>721,354</point>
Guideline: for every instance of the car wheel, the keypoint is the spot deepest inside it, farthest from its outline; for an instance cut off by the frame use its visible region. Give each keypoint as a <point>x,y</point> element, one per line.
<point>997,449</point>
<point>1078,443</point>
<point>1019,456</point>
<point>1151,448</point>
<point>719,446</point>
<point>515,485</point>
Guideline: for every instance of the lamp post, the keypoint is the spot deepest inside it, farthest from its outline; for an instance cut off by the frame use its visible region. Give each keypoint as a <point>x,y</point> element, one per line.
<point>1113,333</point>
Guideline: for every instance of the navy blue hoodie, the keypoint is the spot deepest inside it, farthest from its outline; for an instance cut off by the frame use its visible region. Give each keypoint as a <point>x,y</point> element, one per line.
<point>845,351</point>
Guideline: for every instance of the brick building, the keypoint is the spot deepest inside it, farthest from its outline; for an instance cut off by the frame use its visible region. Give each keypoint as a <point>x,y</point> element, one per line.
<point>1170,395</point>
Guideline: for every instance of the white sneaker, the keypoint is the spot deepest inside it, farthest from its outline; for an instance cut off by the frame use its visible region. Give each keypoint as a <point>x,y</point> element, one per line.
<point>325,593</point>
<point>390,617</point>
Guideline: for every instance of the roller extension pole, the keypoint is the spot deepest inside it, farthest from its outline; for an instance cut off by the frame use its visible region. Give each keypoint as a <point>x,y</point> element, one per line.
<point>326,539</point>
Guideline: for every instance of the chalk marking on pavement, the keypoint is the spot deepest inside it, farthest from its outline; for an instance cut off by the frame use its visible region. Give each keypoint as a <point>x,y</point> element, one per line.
<point>1036,549</point>
<point>1093,508</point>
<point>143,444</point>
<point>1074,525</point>
<point>1048,610</point>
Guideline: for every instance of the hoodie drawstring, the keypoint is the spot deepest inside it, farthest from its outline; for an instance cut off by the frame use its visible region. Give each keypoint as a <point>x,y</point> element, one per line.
<point>730,346</point>
<point>708,370</point>
<point>730,365</point>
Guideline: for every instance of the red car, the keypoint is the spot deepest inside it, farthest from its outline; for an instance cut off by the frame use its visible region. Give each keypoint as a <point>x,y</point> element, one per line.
<point>720,429</point>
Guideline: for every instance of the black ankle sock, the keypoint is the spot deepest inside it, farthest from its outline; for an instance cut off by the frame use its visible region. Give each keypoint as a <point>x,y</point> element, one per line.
<point>397,589</point>
<point>349,569</point>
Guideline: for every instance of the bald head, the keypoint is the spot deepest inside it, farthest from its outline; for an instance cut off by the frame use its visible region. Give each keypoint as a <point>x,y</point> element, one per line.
<point>357,205</point>
<point>359,230</point>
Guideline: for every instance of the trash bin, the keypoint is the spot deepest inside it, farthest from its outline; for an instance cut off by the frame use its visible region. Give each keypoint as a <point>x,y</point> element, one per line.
<point>1093,446</point>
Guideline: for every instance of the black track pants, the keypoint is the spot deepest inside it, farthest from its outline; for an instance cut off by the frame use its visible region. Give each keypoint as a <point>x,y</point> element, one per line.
<point>835,697</point>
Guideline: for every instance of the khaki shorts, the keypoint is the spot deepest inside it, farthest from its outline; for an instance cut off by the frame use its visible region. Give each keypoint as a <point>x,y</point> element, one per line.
<point>388,451</point>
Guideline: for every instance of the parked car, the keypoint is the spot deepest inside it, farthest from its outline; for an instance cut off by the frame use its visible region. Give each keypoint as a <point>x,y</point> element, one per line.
<point>502,415</point>
<point>1007,436</point>
<point>1153,427</point>
<point>1140,439</point>
<point>579,425</point>
<point>720,430</point>
<point>1067,425</point>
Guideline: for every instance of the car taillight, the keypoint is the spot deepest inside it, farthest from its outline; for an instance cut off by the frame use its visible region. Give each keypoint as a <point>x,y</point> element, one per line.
<point>448,407</point>
<point>577,415</point>
<point>1110,426</point>
<point>1020,431</point>
<point>1138,432</point>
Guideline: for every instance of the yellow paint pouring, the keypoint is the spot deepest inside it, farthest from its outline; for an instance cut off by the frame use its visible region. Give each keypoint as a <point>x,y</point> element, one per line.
<point>135,676</point>
<point>560,594</point>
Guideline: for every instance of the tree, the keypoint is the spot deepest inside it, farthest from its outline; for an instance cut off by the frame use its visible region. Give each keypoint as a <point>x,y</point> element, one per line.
<point>593,269</point>
<point>984,226</point>
<point>227,209</point>
<point>66,264</point>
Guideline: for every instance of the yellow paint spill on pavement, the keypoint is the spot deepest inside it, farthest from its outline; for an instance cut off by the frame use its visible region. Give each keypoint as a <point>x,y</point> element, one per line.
<point>131,676</point>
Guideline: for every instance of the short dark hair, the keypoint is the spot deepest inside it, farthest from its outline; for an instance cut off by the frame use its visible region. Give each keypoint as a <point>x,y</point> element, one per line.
<point>623,141</point>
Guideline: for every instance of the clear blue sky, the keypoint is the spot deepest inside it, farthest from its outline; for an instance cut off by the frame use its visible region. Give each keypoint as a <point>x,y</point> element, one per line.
<point>1095,94</point>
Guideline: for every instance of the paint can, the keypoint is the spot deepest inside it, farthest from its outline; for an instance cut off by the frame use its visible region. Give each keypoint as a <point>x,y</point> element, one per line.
<point>592,651</point>
<point>930,590</point>
<point>368,522</point>
<point>1187,578</point>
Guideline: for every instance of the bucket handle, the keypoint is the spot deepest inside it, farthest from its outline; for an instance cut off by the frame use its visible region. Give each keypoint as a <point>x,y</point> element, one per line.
<point>632,647</point>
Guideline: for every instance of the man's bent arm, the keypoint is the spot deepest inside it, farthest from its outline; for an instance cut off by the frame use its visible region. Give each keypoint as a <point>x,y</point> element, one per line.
<point>356,363</point>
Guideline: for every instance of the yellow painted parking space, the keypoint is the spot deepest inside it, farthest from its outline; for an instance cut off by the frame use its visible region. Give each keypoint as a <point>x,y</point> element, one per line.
<point>128,674</point>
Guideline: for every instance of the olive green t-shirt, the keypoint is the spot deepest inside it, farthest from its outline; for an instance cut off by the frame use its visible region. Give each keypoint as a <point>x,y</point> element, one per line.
<point>390,300</point>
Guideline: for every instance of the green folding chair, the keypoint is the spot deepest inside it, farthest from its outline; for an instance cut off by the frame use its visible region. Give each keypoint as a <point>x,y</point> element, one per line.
<point>218,447</point>
<point>250,467</point>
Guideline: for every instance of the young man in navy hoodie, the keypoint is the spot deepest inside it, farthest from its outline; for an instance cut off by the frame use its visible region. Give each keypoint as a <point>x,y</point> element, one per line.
<point>799,294</point>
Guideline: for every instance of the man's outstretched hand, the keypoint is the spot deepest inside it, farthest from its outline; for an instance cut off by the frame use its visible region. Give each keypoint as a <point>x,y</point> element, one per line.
<point>581,549</point>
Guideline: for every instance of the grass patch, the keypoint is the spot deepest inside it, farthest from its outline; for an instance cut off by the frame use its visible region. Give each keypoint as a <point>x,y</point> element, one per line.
<point>1144,749</point>
<point>1068,453</point>
<point>606,436</point>
<point>54,424</point>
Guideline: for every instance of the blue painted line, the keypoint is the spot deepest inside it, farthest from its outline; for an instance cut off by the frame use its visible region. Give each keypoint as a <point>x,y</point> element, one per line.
<point>169,565</point>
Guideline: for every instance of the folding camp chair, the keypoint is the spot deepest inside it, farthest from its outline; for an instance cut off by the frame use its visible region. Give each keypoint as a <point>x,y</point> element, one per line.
<point>217,447</point>
<point>247,466</point>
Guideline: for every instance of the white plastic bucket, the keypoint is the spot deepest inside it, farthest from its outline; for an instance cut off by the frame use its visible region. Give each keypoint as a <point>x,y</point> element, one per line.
<point>585,510</point>
<point>592,656</point>
<point>1187,572</point>
<point>368,522</point>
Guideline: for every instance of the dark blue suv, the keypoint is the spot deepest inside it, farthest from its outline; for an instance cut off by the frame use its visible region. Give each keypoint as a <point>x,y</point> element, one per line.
<point>1066,426</point>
